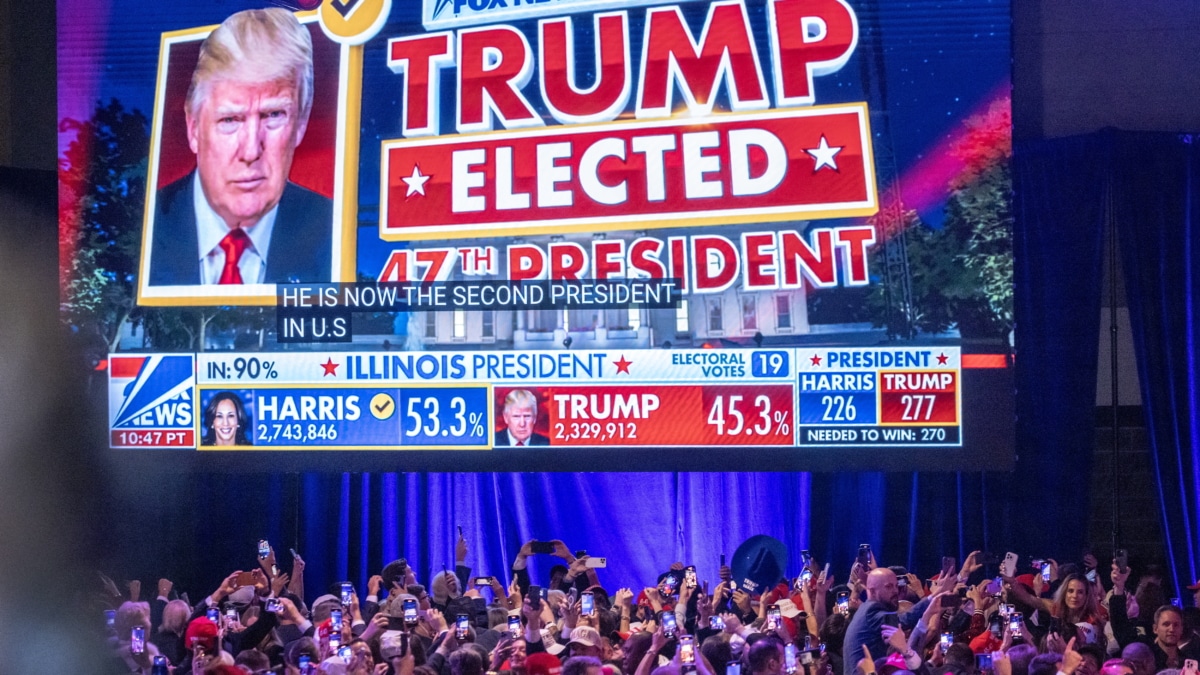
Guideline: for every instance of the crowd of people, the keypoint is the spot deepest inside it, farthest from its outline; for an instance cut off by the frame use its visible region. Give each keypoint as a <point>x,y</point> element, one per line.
<point>1070,619</point>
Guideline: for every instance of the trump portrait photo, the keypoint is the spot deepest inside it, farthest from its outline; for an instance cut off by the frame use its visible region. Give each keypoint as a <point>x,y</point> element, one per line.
<point>245,165</point>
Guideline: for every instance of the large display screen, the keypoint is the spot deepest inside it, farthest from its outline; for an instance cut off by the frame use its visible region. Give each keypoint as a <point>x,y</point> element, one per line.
<point>774,231</point>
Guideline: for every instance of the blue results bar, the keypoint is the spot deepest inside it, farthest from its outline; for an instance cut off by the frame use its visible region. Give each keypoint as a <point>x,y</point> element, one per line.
<point>370,417</point>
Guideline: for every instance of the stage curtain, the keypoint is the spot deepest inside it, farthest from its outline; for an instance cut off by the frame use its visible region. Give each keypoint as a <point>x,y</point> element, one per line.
<point>1060,191</point>
<point>1156,206</point>
<point>641,522</point>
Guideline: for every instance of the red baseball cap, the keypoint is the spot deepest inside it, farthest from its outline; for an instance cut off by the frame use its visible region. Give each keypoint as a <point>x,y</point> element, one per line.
<point>201,633</point>
<point>543,664</point>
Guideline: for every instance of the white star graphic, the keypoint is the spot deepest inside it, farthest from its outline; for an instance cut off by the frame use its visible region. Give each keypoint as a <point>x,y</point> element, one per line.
<point>416,182</point>
<point>823,154</point>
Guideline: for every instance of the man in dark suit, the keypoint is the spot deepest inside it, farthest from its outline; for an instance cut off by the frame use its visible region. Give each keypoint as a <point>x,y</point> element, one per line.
<point>237,219</point>
<point>520,417</point>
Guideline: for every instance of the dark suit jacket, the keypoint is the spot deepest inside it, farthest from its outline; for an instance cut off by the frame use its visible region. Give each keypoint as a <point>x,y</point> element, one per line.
<point>301,248</point>
<point>535,439</point>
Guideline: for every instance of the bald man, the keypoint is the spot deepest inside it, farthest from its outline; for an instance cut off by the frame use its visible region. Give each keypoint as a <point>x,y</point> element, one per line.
<point>883,601</point>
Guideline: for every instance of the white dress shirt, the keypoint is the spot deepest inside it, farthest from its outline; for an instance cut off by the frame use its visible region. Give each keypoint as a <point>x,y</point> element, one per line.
<point>211,229</point>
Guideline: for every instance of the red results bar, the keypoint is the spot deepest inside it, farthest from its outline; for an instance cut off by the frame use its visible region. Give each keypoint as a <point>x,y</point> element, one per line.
<point>671,415</point>
<point>153,438</point>
<point>918,397</point>
<point>745,167</point>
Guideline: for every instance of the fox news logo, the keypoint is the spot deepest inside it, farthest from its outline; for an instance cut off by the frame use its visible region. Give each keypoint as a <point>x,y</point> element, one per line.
<point>151,392</point>
<point>447,13</point>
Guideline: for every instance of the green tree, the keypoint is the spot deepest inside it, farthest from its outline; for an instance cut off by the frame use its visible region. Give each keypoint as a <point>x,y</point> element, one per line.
<point>962,274</point>
<point>102,182</point>
<point>979,218</point>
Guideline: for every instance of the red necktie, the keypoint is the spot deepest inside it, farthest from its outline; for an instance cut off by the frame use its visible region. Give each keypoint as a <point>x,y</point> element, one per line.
<point>233,245</point>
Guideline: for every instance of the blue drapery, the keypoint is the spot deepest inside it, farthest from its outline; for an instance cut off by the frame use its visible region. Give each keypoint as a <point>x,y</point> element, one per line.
<point>1060,189</point>
<point>1156,207</point>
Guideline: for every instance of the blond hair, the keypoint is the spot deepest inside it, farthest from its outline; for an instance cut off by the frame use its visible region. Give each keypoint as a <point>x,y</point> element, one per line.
<point>175,617</point>
<point>522,398</point>
<point>256,45</point>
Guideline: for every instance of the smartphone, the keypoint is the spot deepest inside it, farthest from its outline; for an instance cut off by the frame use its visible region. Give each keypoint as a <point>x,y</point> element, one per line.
<point>231,614</point>
<point>214,615</point>
<point>541,547</point>
<point>304,663</point>
<point>805,557</point>
<point>264,549</point>
<point>948,565</point>
<point>137,640</point>
<point>996,587</point>
<point>946,641</point>
<point>245,579</point>
<point>1037,563</point>
<point>347,593</point>
<point>1122,559</point>
<point>670,584</point>
<point>824,574</point>
<point>345,653</point>
<point>462,624</point>
<point>667,619</point>
<point>273,605</point>
<point>593,563</point>
<point>689,576</point>
<point>587,604</point>
<point>514,626</point>
<point>733,667</point>
<point>1046,572</point>
<point>774,617</point>
<point>983,662</point>
<point>483,581</point>
<point>1091,576</point>
<point>410,612</point>
<point>789,659</point>
<point>805,577</point>
<point>843,602</point>
<point>535,597</point>
<point>715,622</point>
<point>1189,667</point>
<point>1008,568</point>
<point>1014,624</point>
<point>996,626</point>
<point>687,650</point>
<point>110,617</point>
<point>864,555</point>
<point>159,666</point>
<point>1177,602</point>
<point>335,618</point>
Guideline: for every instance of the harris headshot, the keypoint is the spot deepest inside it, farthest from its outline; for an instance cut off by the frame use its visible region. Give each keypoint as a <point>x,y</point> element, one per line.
<point>236,218</point>
<point>520,414</point>
<point>225,421</point>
